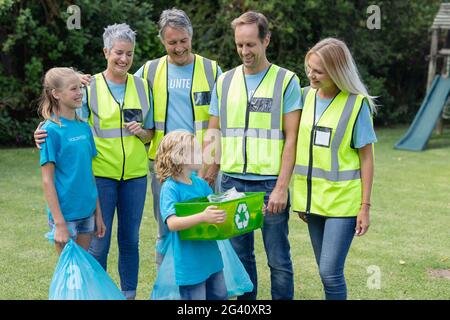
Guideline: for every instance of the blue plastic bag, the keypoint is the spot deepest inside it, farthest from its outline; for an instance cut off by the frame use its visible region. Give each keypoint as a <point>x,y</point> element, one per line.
<point>237,279</point>
<point>165,287</point>
<point>78,276</point>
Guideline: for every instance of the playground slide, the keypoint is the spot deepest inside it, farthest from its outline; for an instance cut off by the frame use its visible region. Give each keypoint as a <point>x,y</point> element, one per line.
<point>421,128</point>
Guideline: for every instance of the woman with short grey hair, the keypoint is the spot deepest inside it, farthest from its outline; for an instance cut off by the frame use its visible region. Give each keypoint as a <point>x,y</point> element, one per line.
<point>118,32</point>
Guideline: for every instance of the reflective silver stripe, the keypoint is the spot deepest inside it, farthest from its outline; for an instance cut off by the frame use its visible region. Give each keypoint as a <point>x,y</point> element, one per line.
<point>142,96</point>
<point>152,71</point>
<point>159,125</point>
<point>209,73</point>
<point>340,131</point>
<point>329,175</point>
<point>276,101</point>
<point>334,174</point>
<point>110,133</point>
<point>304,94</point>
<point>94,102</point>
<point>117,132</point>
<point>272,134</point>
<point>200,125</point>
<point>223,102</point>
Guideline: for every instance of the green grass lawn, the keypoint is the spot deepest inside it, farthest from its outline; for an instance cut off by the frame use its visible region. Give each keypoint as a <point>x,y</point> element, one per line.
<point>408,237</point>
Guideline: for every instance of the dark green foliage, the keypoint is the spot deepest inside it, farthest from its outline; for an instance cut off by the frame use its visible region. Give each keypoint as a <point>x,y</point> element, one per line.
<point>34,37</point>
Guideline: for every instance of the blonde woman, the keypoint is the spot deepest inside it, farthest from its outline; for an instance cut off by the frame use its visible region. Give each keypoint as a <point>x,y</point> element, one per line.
<point>66,161</point>
<point>198,264</point>
<point>334,162</point>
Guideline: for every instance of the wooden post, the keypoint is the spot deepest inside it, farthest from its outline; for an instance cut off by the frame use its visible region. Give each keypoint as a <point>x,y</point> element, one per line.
<point>444,72</point>
<point>432,70</point>
<point>433,57</point>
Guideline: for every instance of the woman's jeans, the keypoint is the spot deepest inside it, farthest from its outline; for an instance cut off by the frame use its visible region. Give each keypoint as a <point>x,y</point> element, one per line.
<point>331,239</point>
<point>276,243</point>
<point>128,196</point>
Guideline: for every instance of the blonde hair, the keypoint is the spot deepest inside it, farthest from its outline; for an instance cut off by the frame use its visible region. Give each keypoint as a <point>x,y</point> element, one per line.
<point>173,153</point>
<point>340,66</point>
<point>55,78</point>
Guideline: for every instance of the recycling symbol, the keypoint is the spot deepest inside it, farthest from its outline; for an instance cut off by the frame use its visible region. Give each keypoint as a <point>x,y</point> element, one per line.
<point>242,216</point>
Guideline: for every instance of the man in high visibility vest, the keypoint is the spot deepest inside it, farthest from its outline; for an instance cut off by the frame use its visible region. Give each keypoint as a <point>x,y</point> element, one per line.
<point>257,108</point>
<point>181,83</point>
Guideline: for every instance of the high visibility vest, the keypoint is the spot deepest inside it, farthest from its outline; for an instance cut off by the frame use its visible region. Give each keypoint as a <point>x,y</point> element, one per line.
<point>327,177</point>
<point>252,129</point>
<point>121,155</point>
<point>203,79</point>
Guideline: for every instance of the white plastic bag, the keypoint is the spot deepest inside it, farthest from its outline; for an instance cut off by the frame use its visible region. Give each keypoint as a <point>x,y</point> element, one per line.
<point>225,196</point>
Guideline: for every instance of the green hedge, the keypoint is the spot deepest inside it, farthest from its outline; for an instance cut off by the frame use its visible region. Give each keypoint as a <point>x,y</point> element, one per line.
<point>34,37</point>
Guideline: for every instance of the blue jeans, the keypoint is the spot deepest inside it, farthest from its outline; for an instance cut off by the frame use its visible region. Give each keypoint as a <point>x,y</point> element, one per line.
<point>75,227</point>
<point>128,197</point>
<point>275,232</point>
<point>213,288</point>
<point>331,239</point>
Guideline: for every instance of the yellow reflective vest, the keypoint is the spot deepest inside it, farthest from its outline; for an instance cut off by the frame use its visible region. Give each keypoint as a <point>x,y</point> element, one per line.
<point>327,178</point>
<point>203,79</point>
<point>120,154</point>
<point>252,129</point>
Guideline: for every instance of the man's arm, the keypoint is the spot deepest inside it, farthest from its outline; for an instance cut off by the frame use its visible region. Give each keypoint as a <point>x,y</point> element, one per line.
<point>211,151</point>
<point>278,197</point>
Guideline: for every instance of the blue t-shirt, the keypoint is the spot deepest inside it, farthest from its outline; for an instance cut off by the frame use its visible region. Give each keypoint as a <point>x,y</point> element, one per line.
<point>118,92</point>
<point>292,101</point>
<point>71,148</point>
<point>179,109</point>
<point>195,261</point>
<point>363,132</point>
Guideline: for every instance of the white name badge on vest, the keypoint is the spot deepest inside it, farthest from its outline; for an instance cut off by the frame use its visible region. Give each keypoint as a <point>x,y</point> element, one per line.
<point>322,136</point>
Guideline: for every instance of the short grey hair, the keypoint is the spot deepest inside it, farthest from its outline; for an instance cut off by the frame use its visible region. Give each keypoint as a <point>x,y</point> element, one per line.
<point>116,32</point>
<point>174,18</point>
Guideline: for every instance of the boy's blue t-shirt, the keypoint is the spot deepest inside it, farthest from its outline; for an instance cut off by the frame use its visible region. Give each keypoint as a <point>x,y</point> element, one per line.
<point>71,148</point>
<point>179,110</point>
<point>292,101</point>
<point>118,92</point>
<point>363,133</point>
<point>195,261</point>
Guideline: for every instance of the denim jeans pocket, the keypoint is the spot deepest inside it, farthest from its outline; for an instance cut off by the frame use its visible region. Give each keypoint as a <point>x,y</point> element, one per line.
<point>270,184</point>
<point>226,183</point>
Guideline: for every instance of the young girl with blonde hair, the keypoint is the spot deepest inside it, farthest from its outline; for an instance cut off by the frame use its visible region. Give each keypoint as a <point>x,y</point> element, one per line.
<point>334,163</point>
<point>198,264</point>
<point>66,162</point>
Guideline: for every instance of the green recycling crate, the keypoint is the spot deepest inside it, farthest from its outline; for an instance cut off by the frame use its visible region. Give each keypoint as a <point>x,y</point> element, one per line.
<point>243,215</point>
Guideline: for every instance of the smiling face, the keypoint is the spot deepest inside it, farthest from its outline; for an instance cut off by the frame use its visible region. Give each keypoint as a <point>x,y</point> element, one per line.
<point>70,95</point>
<point>178,44</point>
<point>251,49</point>
<point>317,75</point>
<point>119,57</point>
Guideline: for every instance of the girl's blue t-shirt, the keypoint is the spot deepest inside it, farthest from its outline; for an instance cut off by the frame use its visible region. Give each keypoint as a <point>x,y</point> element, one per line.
<point>71,148</point>
<point>195,261</point>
